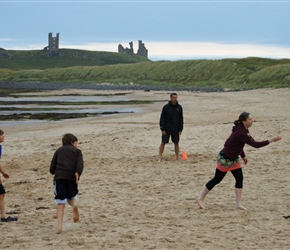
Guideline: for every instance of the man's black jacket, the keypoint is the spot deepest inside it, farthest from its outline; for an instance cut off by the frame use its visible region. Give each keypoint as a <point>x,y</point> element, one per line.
<point>171,119</point>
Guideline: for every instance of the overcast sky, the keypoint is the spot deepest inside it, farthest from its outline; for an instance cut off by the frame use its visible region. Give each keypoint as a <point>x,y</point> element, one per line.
<point>171,30</point>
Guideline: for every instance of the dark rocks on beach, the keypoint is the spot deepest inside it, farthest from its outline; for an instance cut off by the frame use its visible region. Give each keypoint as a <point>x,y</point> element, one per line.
<point>53,116</point>
<point>33,86</point>
<point>99,86</point>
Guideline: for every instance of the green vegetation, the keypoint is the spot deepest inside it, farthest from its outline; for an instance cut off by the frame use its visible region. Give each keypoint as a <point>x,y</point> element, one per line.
<point>247,73</point>
<point>40,59</point>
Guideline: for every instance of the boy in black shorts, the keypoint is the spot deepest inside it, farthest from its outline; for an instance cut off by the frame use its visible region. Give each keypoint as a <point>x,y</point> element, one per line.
<point>4,217</point>
<point>67,166</point>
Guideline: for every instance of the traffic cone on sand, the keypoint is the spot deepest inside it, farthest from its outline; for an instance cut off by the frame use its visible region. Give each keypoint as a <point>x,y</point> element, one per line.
<point>184,155</point>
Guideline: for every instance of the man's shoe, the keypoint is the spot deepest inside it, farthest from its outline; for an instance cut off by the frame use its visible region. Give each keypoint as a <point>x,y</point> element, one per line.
<point>9,219</point>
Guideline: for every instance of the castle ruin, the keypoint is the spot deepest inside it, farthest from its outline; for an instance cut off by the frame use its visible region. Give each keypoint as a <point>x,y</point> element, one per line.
<point>53,45</point>
<point>142,51</point>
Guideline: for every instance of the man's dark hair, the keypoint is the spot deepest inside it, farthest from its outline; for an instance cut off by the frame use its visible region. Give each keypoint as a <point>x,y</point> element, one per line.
<point>1,132</point>
<point>68,139</point>
<point>172,94</point>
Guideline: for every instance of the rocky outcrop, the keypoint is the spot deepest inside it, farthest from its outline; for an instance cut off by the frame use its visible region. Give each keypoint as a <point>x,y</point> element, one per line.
<point>4,53</point>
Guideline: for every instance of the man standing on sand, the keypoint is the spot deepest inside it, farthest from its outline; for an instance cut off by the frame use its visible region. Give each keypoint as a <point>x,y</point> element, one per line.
<point>171,125</point>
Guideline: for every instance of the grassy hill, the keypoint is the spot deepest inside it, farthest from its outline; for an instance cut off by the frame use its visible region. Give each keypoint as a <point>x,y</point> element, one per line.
<point>40,59</point>
<point>231,73</point>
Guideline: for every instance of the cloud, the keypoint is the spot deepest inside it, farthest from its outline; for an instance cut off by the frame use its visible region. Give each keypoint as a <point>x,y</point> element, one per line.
<point>207,50</point>
<point>5,40</point>
<point>196,50</point>
<point>110,47</point>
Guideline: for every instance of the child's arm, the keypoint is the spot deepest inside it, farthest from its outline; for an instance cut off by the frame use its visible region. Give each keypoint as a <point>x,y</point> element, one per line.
<point>53,164</point>
<point>77,177</point>
<point>3,173</point>
<point>80,162</point>
<point>80,165</point>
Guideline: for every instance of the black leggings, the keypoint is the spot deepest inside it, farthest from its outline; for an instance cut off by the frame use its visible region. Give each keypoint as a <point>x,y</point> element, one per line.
<point>219,175</point>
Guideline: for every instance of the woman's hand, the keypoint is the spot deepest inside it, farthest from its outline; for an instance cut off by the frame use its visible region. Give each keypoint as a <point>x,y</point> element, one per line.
<point>245,160</point>
<point>276,138</point>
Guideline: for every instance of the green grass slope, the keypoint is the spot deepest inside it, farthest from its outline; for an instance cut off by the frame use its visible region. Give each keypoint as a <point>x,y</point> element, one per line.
<point>39,59</point>
<point>244,73</point>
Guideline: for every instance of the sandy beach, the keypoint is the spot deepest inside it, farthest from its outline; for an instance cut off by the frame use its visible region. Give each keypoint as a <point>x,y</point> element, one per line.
<point>128,200</point>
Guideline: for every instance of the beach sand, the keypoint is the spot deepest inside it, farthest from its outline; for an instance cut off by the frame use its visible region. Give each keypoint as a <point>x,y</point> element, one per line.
<point>128,200</point>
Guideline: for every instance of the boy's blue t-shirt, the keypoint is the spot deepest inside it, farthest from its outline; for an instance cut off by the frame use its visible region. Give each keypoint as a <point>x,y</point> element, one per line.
<point>0,150</point>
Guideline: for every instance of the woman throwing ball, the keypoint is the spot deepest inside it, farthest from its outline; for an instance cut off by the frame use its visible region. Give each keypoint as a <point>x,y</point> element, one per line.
<point>228,157</point>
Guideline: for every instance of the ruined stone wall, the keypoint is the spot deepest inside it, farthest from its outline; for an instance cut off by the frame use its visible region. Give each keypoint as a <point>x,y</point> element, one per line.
<point>142,51</point>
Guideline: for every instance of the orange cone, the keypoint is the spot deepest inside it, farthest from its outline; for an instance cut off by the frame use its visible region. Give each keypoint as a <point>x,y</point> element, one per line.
<point>184,156</point>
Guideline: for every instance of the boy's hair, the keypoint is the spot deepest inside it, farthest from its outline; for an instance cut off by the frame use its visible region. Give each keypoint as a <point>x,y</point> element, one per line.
<point>68,139</point>
<point>1,132</point>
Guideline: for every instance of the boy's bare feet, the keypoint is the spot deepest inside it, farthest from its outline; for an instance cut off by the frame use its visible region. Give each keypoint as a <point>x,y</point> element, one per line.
<point>59,230</point>
<point>200,203</point>
<point>160,159</point>
<point>76,215</point>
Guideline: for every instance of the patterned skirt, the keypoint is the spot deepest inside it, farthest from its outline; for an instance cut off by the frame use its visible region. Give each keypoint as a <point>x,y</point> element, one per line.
<point>225,164</point>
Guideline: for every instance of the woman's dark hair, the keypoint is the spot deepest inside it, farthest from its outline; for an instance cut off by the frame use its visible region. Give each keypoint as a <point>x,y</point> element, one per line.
<point>68,139</point>
<point>243,117</point>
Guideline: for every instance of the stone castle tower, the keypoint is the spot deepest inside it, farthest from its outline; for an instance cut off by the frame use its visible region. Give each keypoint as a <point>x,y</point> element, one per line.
<point>53,45</point>
<point>142,51</point>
